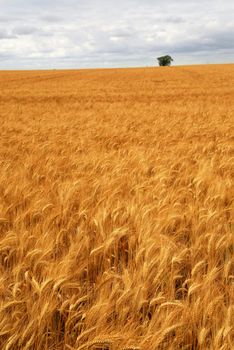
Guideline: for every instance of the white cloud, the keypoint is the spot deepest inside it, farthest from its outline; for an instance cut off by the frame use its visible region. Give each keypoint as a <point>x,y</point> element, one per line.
<point>38,34</point>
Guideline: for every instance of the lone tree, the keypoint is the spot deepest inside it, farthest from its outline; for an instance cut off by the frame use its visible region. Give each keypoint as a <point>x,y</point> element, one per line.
<point>165,60</point>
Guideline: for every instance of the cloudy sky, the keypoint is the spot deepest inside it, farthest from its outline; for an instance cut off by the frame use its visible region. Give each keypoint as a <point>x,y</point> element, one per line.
<point>114,33</point>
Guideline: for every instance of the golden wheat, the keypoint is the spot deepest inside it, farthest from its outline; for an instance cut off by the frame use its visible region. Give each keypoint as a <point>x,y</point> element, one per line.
<point>116,209</point>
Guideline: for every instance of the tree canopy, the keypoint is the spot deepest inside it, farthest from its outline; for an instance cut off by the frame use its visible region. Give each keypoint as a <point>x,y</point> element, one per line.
<point>165,60</point>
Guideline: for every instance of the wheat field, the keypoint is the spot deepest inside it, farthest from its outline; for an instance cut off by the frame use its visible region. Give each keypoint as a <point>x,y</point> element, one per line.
<point>116,209</point>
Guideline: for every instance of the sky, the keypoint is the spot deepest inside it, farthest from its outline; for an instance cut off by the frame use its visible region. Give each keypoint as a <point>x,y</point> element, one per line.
<point>46,34</point>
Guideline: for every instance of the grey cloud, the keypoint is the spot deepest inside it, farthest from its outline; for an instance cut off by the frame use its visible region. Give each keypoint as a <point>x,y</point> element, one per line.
<point>6,35</point>
<point>212,42</point>
<point>51,18</point>
<point>95,33</point>
<point>31,31</point>
<point>174,19</point>
<point>7,19</point>
<point>24,30</point>
<point>5,56</point>
<point>127,32</point>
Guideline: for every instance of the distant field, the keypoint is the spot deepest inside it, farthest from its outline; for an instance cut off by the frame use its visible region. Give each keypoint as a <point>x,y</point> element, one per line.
<point>116,209</point>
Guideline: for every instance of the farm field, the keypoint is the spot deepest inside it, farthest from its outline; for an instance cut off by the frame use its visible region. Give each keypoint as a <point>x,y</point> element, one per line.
<point>116,209</point>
